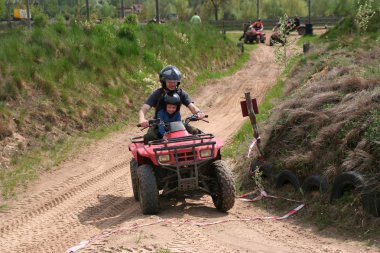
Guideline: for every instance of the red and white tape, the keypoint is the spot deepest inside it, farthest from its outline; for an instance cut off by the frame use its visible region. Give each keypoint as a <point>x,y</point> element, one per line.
<point>254,141</point>
<point>250,197</point>
<point>103,235</point>
<point>247,197</point>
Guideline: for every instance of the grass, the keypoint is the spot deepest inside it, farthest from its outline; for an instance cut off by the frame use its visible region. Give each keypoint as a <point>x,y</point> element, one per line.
<point>139,238</point>
<point>163,251</point>
<point>90,81</point>
<point>345,140</point>
<point>3,207</point>
<point>276,92</point>
<point>307,38</point>
<point>372,131</point>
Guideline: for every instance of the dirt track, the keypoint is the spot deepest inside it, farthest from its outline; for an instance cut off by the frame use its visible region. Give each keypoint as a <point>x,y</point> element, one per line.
<point>90,197</point>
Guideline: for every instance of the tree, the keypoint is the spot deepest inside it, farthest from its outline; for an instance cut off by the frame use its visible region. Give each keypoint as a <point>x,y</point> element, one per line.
<point>216,5</point>
<point>3,9</point>
<point>182,9</point>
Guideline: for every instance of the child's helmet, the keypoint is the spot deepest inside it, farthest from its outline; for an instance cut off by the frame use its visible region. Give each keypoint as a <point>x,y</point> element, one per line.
<point>170,73</point>
<point>172,98</point>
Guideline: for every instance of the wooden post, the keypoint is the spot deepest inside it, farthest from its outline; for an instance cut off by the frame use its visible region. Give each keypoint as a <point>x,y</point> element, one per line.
<point>257,9</point>
<point>252,117</point>
<point>9,13</point>
<point>122,9</point>
<point>157,12</point>
<point>87,10</point>
<point>28,13</point>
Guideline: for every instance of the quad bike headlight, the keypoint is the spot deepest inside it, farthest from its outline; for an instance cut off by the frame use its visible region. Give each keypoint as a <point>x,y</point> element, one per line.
<point>164,158</point>
<point>205,153</point>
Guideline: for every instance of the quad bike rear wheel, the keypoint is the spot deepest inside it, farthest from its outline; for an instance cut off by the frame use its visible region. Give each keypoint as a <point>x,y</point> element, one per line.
<point>223,195</point>
<point>135,181</point>
<point>148,191</point>
<point>301,30</point>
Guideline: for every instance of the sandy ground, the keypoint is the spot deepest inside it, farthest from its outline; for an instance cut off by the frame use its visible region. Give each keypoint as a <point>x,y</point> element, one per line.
<point>89,198</point>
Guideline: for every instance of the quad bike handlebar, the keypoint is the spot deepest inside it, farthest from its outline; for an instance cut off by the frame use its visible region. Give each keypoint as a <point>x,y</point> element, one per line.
<point>151,122</point>
<point>156,122</point>
<point>194,118</point>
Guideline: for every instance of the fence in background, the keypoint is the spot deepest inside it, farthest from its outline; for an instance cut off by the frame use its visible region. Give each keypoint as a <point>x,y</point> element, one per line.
<point>230,25</point>
<point>224,25</point>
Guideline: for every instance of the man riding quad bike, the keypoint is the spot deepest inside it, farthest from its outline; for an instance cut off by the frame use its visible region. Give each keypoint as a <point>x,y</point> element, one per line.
<point>252,35</point>
<point>179,163</point>
<point>253,32</point>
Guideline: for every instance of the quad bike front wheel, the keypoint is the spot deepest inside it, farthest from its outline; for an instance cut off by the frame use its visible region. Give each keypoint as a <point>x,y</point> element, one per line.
<point>223,194</point>
<point>135,184</point>
<point>257,39</point>
<point>246,39</point>
<point>148,191</point>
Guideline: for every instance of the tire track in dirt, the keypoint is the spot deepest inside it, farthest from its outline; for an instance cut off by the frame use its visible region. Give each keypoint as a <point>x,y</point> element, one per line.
<point>63,219</point>
<point>184,236</point>
<point>51,210</point>
<point>194,240</point>
<point>39,209</point>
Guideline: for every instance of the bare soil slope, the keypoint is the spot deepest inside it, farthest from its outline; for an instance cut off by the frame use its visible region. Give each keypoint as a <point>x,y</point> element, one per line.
<point>90,197</point>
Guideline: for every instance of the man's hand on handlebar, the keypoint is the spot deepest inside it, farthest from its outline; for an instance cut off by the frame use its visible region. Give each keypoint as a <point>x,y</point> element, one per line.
<point>195,117</point>
<point>200,115</point>
<point>149,123</point>
<point>143,123</point>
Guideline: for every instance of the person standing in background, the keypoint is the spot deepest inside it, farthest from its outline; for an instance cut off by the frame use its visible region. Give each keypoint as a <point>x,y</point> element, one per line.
<point>195,19</point>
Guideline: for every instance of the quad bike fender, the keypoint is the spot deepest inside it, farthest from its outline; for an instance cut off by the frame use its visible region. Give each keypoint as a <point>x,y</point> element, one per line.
<point>133,147</point>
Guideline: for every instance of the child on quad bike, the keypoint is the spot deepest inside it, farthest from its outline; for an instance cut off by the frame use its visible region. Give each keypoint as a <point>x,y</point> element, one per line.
<point>170,79</point>
<point>170,113</point>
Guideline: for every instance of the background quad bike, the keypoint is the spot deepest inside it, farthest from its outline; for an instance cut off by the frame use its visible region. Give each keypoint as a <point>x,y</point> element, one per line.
<point>251,36</point>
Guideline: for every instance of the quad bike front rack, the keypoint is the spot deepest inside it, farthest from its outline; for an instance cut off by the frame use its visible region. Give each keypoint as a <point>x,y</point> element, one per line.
<point>187,160</point>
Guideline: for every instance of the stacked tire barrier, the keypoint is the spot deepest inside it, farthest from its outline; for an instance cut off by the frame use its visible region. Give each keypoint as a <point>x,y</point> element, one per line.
<point>349,182</point>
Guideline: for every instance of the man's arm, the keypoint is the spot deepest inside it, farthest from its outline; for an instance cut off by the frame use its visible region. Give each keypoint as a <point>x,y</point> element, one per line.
<point>196,111</point>
<point>142,120</point>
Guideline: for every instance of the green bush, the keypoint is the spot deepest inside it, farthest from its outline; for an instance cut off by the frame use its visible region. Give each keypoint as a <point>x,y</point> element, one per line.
<point>128,31</point>
<point>60,26</point>
<point>105,32</point>
<point>40,19</point>
<point>131,19</point>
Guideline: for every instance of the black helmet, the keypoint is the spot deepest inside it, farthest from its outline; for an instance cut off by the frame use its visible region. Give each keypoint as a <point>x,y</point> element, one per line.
<point>170,73</point>
<point>172,98</point>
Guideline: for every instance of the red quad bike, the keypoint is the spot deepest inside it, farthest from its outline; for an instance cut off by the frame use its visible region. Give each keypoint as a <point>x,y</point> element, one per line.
<point>180,163</point>
<point>251,35</point>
